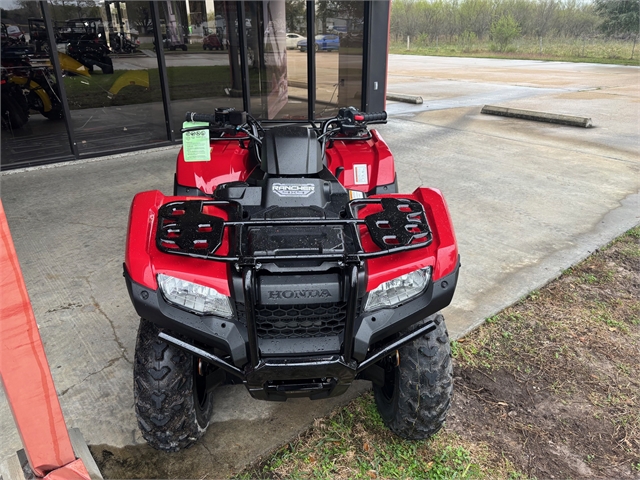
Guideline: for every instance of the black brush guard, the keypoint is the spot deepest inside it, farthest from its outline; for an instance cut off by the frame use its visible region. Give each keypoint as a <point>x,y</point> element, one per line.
<point>401,225</point>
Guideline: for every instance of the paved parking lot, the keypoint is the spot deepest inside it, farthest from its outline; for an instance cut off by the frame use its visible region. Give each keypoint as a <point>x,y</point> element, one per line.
<point>527,199</point>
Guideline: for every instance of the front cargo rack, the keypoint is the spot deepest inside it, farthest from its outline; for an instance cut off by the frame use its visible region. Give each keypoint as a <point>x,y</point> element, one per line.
<point>184,228</point>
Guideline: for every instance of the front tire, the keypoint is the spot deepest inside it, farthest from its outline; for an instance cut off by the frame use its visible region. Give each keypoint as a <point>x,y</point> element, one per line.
<point>171,402</point>
<point>416,395</point>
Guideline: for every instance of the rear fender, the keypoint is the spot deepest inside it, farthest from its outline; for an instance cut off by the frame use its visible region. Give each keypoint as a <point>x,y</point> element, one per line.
<point>361,165</point>
<point>229,163</point>
<point>144,261</point>
<point>441,255</point>
<point>35,88</point>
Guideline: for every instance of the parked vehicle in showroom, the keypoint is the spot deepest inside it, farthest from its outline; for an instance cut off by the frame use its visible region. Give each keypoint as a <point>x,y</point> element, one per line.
<point>12,33</point>
<point>325,43</point>
<point>30,76</point>
<point>211,42</point>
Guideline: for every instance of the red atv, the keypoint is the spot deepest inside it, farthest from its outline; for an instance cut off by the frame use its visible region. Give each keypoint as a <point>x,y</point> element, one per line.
<point>288,262</point>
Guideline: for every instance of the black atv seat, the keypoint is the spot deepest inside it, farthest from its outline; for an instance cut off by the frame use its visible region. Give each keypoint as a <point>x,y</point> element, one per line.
<point>291,150</point>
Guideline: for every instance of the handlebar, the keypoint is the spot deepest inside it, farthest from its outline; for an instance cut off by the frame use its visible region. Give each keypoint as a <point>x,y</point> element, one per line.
<point>221,117</point>
<point>200,117</point>
<point>350,117</point>
<point>376,117</point>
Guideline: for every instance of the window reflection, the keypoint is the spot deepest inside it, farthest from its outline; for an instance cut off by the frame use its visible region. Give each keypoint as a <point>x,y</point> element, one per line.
<point>109,60</point>
<point>339,28</point>
<point>117,103</point>
<point>33,125</point>
<point>281,68</point>
<point>201,54</point>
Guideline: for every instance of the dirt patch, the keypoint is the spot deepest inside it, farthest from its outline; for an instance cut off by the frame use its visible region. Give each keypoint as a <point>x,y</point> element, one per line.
<point>554,381</point>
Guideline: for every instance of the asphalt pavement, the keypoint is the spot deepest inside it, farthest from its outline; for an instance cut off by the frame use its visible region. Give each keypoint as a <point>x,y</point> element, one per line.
<point>528,200</point>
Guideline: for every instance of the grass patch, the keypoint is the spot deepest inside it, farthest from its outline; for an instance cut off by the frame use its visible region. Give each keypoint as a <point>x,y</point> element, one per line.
<point>560,372</point>
<point>354,443</point>
<point>184,83</point>
<point>566,50</point>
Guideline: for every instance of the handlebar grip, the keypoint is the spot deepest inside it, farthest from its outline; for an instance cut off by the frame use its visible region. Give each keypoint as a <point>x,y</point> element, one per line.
<point>375,117</point>
<point>199,117</point>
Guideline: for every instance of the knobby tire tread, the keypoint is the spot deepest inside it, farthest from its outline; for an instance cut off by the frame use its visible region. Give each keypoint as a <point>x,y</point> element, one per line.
<point>167,412</point>
<point>423,388</point>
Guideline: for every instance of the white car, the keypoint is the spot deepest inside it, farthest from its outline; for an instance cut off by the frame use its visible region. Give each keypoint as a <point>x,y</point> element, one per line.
<point>293,39</point>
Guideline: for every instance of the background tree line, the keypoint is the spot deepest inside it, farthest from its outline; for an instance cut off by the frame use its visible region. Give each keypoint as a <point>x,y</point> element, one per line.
<point>503,20</point>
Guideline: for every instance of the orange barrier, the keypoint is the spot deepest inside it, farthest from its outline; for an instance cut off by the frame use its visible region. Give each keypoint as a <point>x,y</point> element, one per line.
<point>26,377</point>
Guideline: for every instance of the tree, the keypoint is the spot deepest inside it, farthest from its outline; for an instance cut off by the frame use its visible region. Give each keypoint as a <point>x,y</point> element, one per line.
<point>620,17</point>
<point>140,17</point>
<point>325,10</point>
<point>504,31</point>
<point>544,18</point>
<point>296,16</point>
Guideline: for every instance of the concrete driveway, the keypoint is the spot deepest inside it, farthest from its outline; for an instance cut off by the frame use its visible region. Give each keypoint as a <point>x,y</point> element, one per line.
<point>528,200</point>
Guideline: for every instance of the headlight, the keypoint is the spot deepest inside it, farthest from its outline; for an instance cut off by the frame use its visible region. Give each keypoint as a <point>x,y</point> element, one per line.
<point>194,297</point>
<point>398,290</point>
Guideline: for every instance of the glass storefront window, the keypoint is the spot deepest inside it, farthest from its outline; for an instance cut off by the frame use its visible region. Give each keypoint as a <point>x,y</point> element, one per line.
<point>115,99</point>
<point>33,126</point>
<point>112,68</point>
<point>274,30</point>
<point>200,44</point>
<point>339,28</point>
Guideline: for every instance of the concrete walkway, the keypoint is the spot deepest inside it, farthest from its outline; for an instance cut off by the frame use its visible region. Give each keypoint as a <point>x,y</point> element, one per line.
<point>528,200</point>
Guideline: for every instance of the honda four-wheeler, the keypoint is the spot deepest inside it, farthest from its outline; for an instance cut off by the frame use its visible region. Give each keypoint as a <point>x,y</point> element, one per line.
<point>286,261</point>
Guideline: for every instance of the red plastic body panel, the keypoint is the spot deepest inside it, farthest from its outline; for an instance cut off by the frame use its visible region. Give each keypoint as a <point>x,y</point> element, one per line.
<point>373,153</point>
<point>144,261</point>
<point>441,255</point>
<point>25,373</point>
<point>229,163</point>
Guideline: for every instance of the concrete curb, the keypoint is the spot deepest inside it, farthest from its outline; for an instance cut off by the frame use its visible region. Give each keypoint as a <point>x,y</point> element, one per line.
<point>537,116</point>
<point>83,161</point>
<point>400,97</point>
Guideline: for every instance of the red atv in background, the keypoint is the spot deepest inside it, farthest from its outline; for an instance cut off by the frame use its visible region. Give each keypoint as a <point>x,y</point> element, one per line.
<point>288,262</point>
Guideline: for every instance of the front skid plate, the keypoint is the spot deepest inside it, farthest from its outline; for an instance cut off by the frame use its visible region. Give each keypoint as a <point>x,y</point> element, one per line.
<point>279,379</point>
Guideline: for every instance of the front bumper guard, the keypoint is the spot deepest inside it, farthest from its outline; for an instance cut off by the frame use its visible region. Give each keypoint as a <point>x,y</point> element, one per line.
<point>315,376</point>
<point>279,379</point>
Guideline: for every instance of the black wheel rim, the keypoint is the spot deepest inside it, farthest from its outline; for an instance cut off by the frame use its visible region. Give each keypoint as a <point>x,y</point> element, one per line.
<point>199,386</point>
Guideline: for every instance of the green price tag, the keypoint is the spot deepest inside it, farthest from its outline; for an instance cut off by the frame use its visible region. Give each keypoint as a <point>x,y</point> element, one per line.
<point>195,144</point>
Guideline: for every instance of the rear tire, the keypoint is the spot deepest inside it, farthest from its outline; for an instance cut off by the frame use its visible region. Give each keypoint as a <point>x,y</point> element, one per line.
<point>56,113</point>
<point>416,396</point>
<point>107,66</point>
<point>15,111</point>
<point>172,406</point>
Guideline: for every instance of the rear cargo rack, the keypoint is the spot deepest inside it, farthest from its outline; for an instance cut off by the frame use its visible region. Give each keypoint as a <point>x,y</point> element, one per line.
<point>185,229</point>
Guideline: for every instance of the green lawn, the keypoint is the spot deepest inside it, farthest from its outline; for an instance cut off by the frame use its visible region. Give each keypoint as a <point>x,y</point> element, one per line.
<point>566,50</point>
<point>184,83</point>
